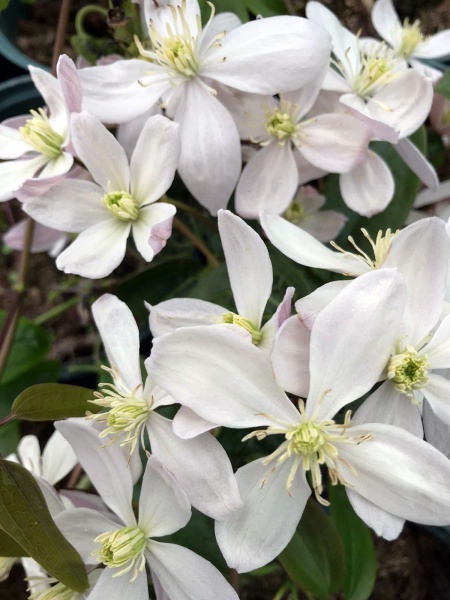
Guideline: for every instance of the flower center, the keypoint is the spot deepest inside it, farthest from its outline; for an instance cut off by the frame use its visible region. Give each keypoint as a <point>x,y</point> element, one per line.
<point>235,319</point>
<point>56,592</point>
<point>122,549</point>
<point>127,414</point>
<point>295,212</point>
<point>38,133</point>
<point>407,371</point>
<point>380,248</point>
<point>280,126</point>
<point>122,205</point>
<point>411,38</point>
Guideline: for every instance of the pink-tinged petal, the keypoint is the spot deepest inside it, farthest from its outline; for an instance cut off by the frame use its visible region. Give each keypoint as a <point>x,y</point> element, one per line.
<point>386,22</point>
<point>324,225</point>
<point>182,312</point>
<point>383,523</point>
<point>310,306</point>
<point>186,576</point>
<point>420,252</point>
<point>113,94</point>
<point>37,186</point>
<point>120,336</point>
<point>438,348</point>
<point>386,405</point>
<point>70,83</point>
<point>436,46</point>
<point>106,467</point>
<point>368,188</point>
<point>155,160</point>
<point>101,153</point>
<point>50,89</point>
<point>268,182</point>
<point>368,312</point>
<point>436,431</point>
<point>57,166</point>
<point>269,56</point>
<point>195,364</point>
<point>44,238</point>
<point>255,534</point>
<point>16,122</point>
<point>417,162</point>
<point>58,458</point>
<point>153,228</point>
<point>399,473</point>
<point>290,357</point>
<point>163,507</point>
<point>403,104</point>
<point>306,250</point>
<point>437,393</point>
<point>117,588</point>
<point>248,264</point>
<point>210,160</point>
<point>97,251</point>
<point>13,173</point>
<point>128,133</point>
<point>272,326</point>
<point>70,206</point>
<point>11,143</point>
<point>335,143</point>
<point>200,466</point>
<point>187,424</point>
<point>431,196</point>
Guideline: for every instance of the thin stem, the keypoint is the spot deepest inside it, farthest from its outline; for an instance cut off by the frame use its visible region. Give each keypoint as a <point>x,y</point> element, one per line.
<point>189,209</point>
<point>56,311</point>
<point>212,260</point>
<point>74,477</point>
<point>233,578</point>
<point>6,419</point>
<point>61,31</point>
<point>81,14</point>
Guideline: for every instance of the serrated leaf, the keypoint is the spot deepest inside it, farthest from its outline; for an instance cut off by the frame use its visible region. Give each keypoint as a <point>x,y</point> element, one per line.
<point>266,8</point>
<point>24,516</point>
<point>443,86</point>
<point>360,561</point>
<point>53,401</point>
<point>30,345</point>
<point>314,558</point>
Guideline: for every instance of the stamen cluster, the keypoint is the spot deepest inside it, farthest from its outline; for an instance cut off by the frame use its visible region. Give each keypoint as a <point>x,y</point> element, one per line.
<point>123,549</point>
<point>39,134</point>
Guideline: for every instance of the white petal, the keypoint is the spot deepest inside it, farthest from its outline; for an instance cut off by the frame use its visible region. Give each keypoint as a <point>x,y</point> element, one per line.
<point>70,83</point>
<point>97,251</point>
<point>430,196</point>
<point>324,225</point>
<point>44,238</point>
<point>383,523</point>
<point>120,336</point>
<point>101,153</point>
<point>436,46</point>
<point>400,474</point>
<point>269,56</point>
<point>71,206</point>
<point>436,431</point>
<point>255,534</point>
<point>417,162</point>
<point>153,228</point>
<point>306,171</point>
<point>155,160</point>
<point>334,143</point>
<point>386,405</point>
<point>106,467</point>
<point>118,588</point>
<point>306,250</point>
<point>437,393</point>
<point>13,173</point>
<point>186,576</point>
<point>272,326</point>
<point>248,264</point>
<point>386,22</point>
<point>290,357</point>
<point>196,364</point>
<point>128,133</point>
<point>187,424</point>
<point>368,188</point>
<point>268,182</point>
<point>368,313</point>
<point>12,144</point>
<point>438,348</point>
<point>58,458</point>
<point>50,89</point>
<point>38,186</point>
<point>57,166</point>
<point>210,160</point>
<point>163,508</point>
<point>200,467</point>
<point>182,312</point>
<point>30,454</point>
<point>310,306</point>
<point>223,22</point>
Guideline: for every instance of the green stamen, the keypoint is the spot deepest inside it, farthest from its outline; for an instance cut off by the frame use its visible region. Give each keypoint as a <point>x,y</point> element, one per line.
<point>122,549</point>
<point>38,133</point>
<point>235,319</point>
<point>122,205</point>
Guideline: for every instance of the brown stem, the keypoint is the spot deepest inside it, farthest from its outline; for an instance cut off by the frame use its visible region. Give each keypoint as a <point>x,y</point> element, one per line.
<point>233,578</point>
<point>212,260</point>
<point>74,477</point>
<point>6,419</point>
<point>61,31</point>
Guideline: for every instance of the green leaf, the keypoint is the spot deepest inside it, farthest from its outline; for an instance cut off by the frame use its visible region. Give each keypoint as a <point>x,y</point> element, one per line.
<point>359,552</point>
<point>9,547</point>
<point>443,86</point>
<point>213,285</point>
<point>24,516</point>
<point>394,216</point>
<point>30,345</point>
<point>235,6</point>
<point>9,440</point>
<point>4,4</point>
<point>314,558</point>
<point>266,8</point>
<point>53,401</point>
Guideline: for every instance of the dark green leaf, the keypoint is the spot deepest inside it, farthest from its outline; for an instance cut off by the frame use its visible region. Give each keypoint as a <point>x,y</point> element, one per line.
<point>314,558</point>
<point>443,86</point>
<point>9,440</point>
<point>266,8</point>
<point>30,345</point>
<point>360,562</point>
<point>9,547</point>
<point>235,6</point>
<point>213,285</point>
<point>25,517</point>
<point>53,401</point>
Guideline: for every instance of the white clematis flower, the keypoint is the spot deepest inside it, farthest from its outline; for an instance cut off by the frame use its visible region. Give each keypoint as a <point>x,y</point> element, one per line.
<point>122,199</point>
<point>184,63</point>
<point>376,462</point>
<point>127,545</point>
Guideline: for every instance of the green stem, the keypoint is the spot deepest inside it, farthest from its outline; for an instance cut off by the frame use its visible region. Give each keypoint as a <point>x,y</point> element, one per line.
<point>56,311</point>
<point>81,14</point>
<point>189,209</point>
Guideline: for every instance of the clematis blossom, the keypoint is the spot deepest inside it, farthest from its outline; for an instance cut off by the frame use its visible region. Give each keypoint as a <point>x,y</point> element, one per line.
<point>122,198</point>
<point>376,462</point>
<point>182,66</point>
<point>125,545</point>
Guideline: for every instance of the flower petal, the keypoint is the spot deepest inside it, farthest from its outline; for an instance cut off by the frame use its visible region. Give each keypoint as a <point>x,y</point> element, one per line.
<point>418,163</point>
<point>50,89</point>
<point>436,46</point>
<point>437,393</point>
<point>187,424</point>
<point>270,329</point>
<point>58,458</point>
<point>386,22</point>
<point>324,225</point>
<point>290,357</point>
<point>12,144</point>
<point>13,173</point>
<point>438,348</point>
<point>44,238</point>
<point>117,588</point>
<point>436,431</point>
<point>70,83</point>
<point>182,312</point>
<point>57,166</point>
<point>310,306</point>
<point>383,523</point>
<point>153,228</point>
